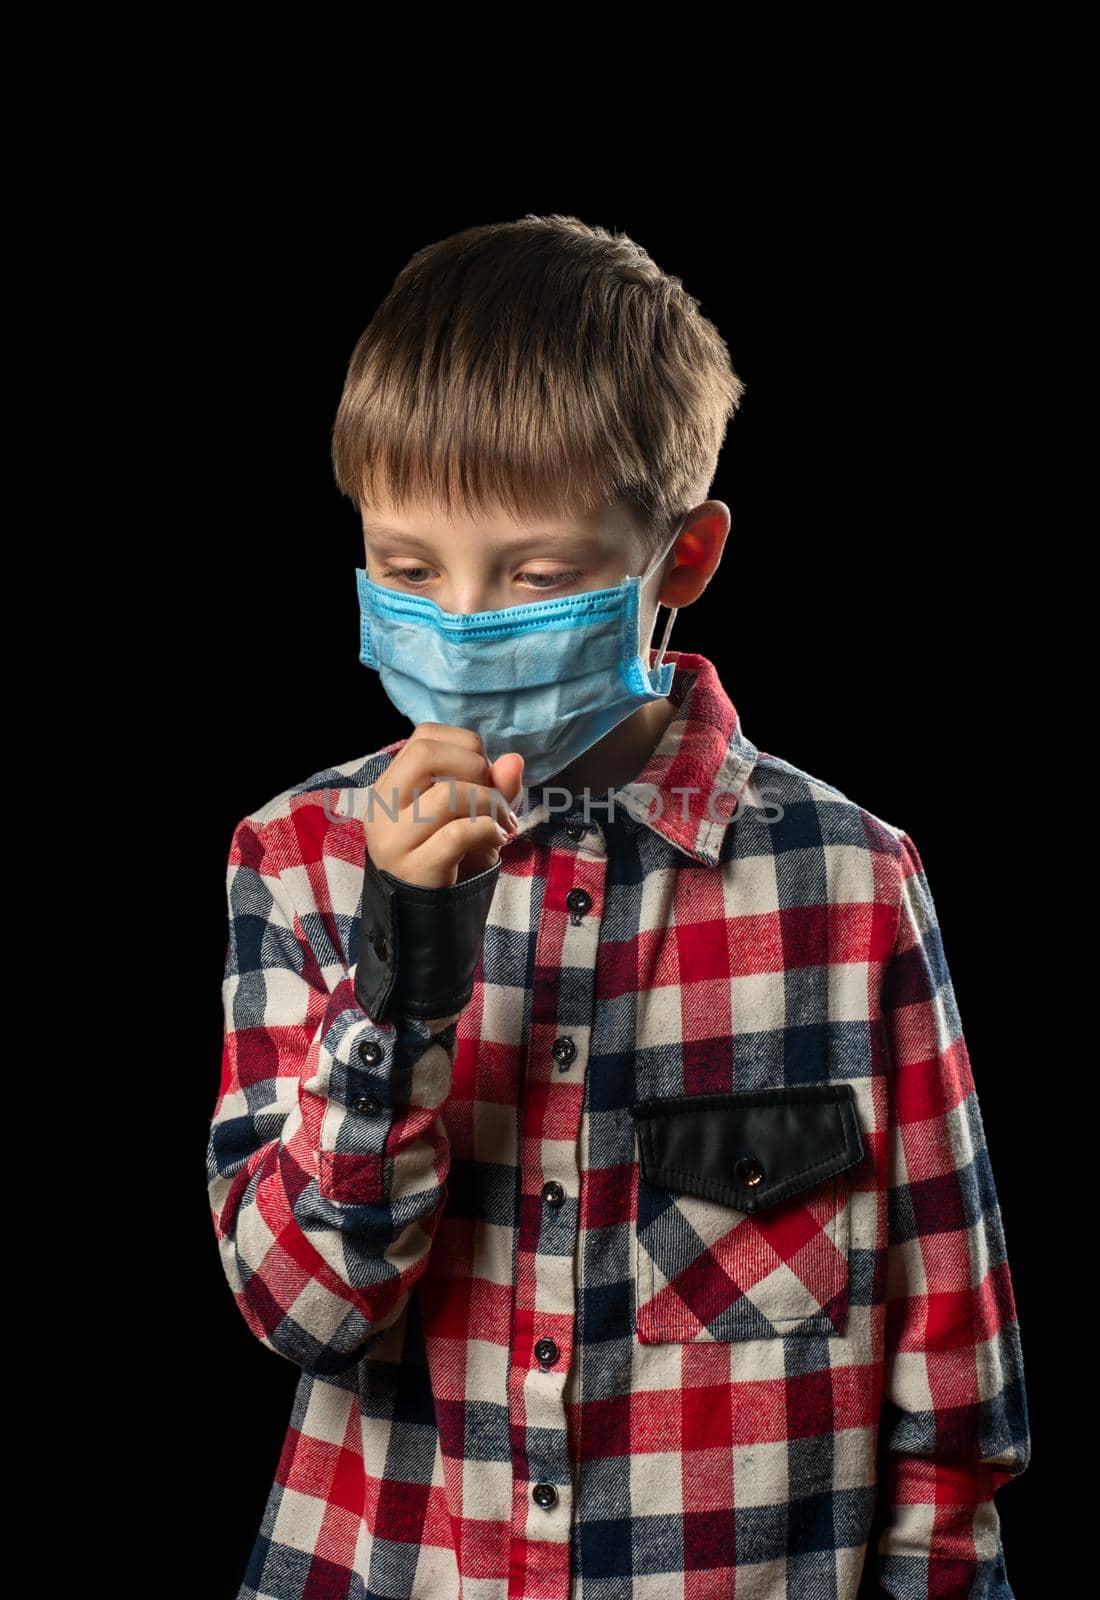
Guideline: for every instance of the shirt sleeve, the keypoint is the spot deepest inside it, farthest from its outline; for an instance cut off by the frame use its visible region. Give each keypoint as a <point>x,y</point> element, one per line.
<point>327,1157</point>
<point>954,1420</point>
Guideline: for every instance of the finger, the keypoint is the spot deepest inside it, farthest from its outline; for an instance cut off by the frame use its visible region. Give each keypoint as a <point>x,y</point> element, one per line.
<point>443,801</point>
<point>450,732</point>
<point>436,863</point>
<point>416,766</point>
<point>506,774</point>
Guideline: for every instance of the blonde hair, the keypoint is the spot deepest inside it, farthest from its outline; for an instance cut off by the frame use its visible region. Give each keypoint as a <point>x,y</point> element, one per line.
<point>544,365</point>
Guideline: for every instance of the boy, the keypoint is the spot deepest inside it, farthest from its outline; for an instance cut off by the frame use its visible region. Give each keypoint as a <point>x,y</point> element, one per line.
<point>614,1171</point>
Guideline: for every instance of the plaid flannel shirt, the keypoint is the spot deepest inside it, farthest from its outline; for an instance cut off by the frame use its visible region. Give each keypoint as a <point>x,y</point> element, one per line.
<point>566,1330</point>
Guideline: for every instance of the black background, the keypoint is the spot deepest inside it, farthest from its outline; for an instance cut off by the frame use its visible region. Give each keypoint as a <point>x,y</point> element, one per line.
<point>868,618</point>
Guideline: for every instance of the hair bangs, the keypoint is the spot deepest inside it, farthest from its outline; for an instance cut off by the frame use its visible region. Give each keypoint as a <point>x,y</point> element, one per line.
<point>542,366</point>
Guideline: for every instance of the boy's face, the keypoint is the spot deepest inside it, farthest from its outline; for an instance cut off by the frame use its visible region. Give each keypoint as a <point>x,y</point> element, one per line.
<point>485,565</point>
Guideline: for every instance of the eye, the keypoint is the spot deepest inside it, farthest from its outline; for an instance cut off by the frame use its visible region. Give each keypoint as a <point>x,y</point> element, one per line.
<point>554,580</point>
<point>409,574</point>
<point>415,577</point>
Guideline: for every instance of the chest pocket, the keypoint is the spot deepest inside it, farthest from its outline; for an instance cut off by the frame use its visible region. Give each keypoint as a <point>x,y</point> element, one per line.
<point>743,1212</point>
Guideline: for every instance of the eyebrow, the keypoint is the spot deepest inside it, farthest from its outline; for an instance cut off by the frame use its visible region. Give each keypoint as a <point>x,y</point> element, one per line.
<point>383,531</point>
<point>571,536</point>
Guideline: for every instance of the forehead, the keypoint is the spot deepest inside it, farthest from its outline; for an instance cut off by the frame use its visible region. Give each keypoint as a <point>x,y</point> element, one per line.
<point>497,526</point>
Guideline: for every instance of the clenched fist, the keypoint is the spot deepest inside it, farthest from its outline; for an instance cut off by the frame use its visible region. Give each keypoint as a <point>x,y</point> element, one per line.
<point>441,832</point>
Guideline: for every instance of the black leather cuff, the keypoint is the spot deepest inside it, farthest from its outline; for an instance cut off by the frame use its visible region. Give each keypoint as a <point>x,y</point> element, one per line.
<point>419,948</point>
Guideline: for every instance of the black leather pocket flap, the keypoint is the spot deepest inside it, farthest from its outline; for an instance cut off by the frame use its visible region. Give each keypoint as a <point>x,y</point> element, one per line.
<point>749,1149</point>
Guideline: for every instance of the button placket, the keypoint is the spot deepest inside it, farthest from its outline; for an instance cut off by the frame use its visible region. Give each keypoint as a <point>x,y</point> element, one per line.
<point>589,832</point>
<point>355,1118</point>
<point>553,1108</point>
<point>564,1052</point>
<point>547,1353</point>
<point>365,1102</point>
<point>579,902</point>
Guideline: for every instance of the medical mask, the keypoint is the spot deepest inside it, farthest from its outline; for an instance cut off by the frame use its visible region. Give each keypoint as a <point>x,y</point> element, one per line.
<point>546,680</point>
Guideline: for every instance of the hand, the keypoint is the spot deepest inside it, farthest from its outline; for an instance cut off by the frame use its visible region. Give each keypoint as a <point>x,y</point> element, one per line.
<point>448,839</point>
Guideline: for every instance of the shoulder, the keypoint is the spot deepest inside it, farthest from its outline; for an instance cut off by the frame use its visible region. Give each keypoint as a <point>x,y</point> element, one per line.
<point>318,816</point>
<point>808,816</point>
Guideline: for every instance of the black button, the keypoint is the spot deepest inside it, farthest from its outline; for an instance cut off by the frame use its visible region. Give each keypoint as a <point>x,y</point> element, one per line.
<point>544,1494</point>
<point>547,1352</point>
<point>563,1050</point>
<point>576,830</point>
<point>578,900</point>
<point>368,1104</point>
<point>553,1194</point>
<point>747,1170</point>
<point>371,1052</point>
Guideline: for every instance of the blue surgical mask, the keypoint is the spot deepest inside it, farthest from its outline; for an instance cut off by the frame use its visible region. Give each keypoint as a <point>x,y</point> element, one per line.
<point>546,680</point>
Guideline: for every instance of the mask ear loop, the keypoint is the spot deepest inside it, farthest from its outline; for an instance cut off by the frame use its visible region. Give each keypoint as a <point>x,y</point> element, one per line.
<point>672,610</point>
<point>664,638</point>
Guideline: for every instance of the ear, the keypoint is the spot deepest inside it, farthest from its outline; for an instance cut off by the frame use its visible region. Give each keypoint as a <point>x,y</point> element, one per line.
<point>696,554</point>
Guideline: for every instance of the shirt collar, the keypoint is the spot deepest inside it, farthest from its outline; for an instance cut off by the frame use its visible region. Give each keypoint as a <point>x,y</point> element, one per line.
<point>689,788</point>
